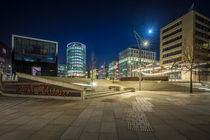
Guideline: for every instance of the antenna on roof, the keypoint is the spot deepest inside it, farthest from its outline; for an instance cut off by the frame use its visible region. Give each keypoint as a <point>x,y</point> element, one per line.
<point>192,6</point>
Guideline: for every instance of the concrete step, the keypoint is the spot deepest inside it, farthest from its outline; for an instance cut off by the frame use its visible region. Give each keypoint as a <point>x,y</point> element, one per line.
<point>106,94</point>
<point>99,92</point>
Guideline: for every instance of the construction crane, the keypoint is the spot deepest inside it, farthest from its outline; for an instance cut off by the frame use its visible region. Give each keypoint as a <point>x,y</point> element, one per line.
<point>138,38</point>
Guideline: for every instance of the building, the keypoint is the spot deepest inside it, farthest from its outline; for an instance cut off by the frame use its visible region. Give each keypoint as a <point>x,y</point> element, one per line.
<point>76,59</point>
<point>62,70</point>
<point>129,61</point>
<point>191,33</point>
<point>5,57</point>
<point>94,74</point>
<point>103,72</point>
<point>113,70</point>
<point>34,56</point>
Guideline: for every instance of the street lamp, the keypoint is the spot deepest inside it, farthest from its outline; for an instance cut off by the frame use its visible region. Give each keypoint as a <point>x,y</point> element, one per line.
<point>146,43</point>
<point>140,43</point>
<point>94,84</point>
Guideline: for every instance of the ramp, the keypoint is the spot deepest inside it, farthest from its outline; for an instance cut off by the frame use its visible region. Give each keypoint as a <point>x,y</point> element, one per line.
<point>33,86</point>
<point>52,82</point>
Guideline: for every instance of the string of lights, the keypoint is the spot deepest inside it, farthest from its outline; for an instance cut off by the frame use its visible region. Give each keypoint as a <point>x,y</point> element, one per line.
<point>166,69</point>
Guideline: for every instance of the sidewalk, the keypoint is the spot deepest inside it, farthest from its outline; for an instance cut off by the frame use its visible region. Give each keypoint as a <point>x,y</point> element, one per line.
<point>139,115</point>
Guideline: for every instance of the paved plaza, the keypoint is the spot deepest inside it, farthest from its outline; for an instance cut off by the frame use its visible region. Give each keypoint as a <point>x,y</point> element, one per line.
<point>146,115</point>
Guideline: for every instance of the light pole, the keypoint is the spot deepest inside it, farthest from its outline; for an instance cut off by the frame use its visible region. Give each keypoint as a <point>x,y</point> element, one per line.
<point>140,55</point>
<point>140,42</point>
<point>129,63</point>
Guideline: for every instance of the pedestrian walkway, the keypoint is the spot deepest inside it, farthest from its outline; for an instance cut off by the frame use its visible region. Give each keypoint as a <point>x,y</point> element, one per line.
<point>135,115</point>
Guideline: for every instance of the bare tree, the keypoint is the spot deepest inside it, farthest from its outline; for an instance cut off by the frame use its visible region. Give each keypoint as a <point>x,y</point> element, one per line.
<point>92,66</point>
<point>174,67</point>
<point>189,61</point>
<point>113,75</point>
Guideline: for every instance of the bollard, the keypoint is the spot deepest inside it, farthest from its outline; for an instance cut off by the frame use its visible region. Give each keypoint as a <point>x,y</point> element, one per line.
<point>83,94</point>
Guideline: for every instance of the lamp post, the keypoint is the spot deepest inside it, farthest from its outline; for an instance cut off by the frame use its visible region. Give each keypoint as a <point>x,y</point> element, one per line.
<point>144,43</point>
<point>140,55</point>
<point>140,43</point>
<point>129,63</point>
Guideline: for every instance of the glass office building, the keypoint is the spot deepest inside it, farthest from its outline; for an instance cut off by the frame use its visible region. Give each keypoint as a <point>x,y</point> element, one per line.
<point>129,60</point>
<point>34,56</point>
<point>76,59</point>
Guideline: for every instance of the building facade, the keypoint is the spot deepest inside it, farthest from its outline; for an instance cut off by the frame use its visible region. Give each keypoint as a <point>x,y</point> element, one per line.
<point>129,61</point>
<point>62,70</point>
<point>34,56</point>
<point>187,37</point>
<point>5,57</point>
<point>76,59</point>
<point>113,70</point>
<point>94,74</point>
<point>103,72</point>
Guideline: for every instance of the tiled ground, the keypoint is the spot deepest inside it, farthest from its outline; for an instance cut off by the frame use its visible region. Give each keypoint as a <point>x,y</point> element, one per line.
<point>170,115</point>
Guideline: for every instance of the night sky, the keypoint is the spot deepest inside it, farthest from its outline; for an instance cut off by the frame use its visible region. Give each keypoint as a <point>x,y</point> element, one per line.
<point>105,27</point>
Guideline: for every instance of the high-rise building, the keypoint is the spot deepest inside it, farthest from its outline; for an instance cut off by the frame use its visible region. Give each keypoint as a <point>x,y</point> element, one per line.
<point>76,59</point>
<point>34,56</point>
<point>129,61</point>
<point>191,33</point>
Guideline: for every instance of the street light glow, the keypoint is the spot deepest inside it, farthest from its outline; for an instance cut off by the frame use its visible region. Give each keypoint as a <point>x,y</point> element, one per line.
<point>146,43</point>
<point>94,84</point>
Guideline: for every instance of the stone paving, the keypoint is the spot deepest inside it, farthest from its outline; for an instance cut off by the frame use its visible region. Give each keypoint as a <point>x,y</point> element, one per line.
<point>154,115</point>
